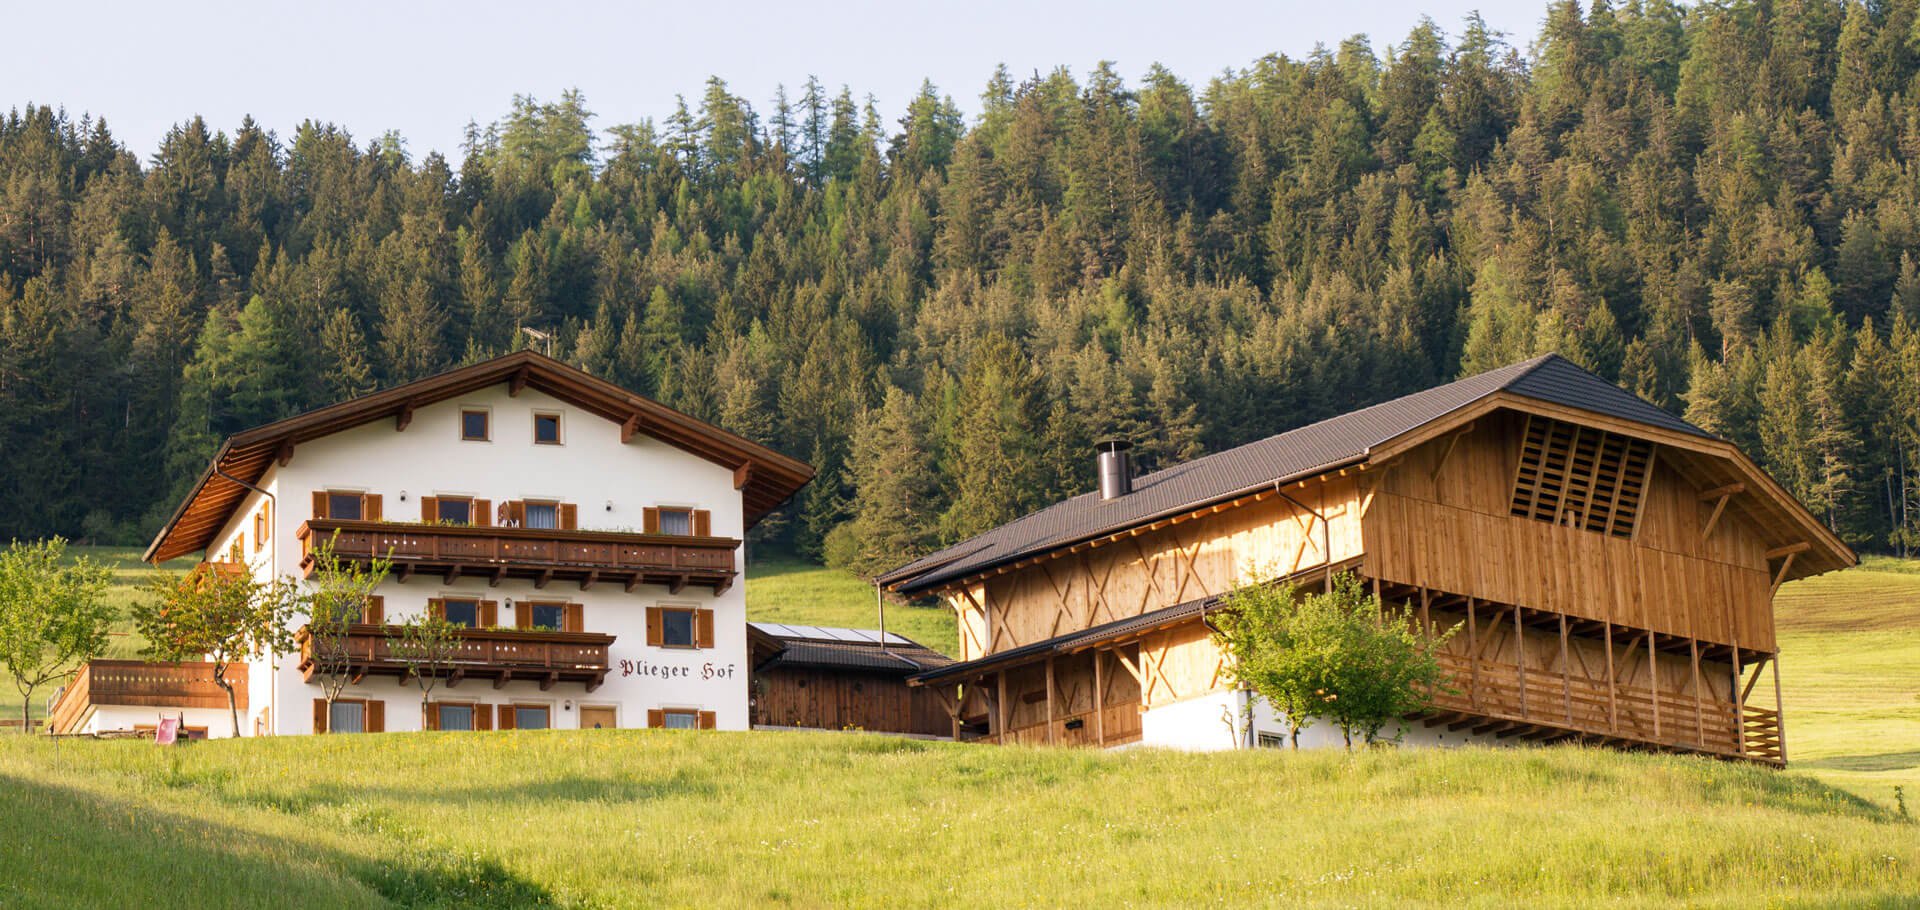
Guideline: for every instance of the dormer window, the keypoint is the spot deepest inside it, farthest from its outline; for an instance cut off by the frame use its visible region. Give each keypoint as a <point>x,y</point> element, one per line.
<point>546,429</point>
<point>476,424</point>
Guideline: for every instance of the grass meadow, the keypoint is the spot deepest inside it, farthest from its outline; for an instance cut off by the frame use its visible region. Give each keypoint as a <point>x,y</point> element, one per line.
<point>633,818</point>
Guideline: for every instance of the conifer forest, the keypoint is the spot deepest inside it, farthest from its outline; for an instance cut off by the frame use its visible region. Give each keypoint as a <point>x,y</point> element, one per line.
<point>1716,205</point>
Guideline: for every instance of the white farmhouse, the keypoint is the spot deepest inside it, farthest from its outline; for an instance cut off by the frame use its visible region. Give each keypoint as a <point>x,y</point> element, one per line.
<point>586,539</point>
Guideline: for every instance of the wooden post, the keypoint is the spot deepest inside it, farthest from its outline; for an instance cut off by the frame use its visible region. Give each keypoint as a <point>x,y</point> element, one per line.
<point>1426,615</point>
<point>1000,703</point>
<point>1473,652</point>
<point>1520,657</point>
<point>1566,671</point>
<point>1613,701</point>
<point>1653,682</point>
<point>1099,704</point>
<point>1739,707</point>
<point>1699,705</point>
<point>1049,700</point>
<point>1779,711</point>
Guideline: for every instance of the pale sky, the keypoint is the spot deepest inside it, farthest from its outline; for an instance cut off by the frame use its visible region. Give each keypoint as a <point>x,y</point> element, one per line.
<point>427,68</point>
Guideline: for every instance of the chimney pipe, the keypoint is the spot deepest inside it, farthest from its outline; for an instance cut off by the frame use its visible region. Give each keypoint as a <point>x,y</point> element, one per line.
<point>1116,468</point>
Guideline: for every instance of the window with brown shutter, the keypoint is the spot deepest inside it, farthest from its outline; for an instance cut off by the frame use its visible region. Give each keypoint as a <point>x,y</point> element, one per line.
<point>432,720</point>
<point>376,716</point>
<point>575,618</point>
<point>238,552</point>
<point>370,507</point>
<point>545,615</point>
<point>504,715</point>
<point>375,611</point>
<point>320,504</point>
<point>319,715</point>
<point>489,614</point>
<point>650,520</point>
<point>679,627</point>
<point>656,718</point>
<point>453,510</point>
<point>569,517</point>
<point>708,720</point>
<point>523,615</point>
<point>703,628</point>
<point>482,515</point>
<point>654,631</point>
<point>261,524</point>
<point>346,505</point>
<point>702,523</point>
<point>482,717</point>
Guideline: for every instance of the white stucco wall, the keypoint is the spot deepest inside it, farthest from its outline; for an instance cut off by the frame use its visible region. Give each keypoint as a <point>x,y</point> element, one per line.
<point>1216,721</point>
<point>110,718</point>
<point>610,483</point>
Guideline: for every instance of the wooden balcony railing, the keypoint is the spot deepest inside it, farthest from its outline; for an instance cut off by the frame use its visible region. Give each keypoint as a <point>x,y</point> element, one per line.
<point>543,555</point>
<point>142,684</point>
<point>1634,714</point>
<point>501,655</point>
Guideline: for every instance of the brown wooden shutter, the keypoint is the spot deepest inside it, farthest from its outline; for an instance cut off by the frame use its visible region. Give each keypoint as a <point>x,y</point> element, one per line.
<point>482,717</point>
<point>654,634</point>
<point>370,507</point>
<point>483,512</point>
<point>319,503</point>
<point>574,618</point>
<point>569,517</point>
<point>523,615</point>
<point>319,715</point>
<point>436,608</point>
<point>702,523</point>
<point>707,720</point>
<point>518,513</point>
<point>506,717</point>
<point>433,717</point>
<point>703,628</point>
<point>376,716</point>
<point>489,614</point>
<point>650,520</point>
<point>656,718</point>
<point>375,612</point>
<point>429,508</point>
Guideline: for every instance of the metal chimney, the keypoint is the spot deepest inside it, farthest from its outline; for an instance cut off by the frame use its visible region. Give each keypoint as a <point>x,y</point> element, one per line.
<point>1116,468</point>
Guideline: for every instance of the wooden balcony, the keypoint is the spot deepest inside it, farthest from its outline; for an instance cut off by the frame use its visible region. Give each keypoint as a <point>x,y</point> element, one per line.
<point>500,655</point>
<point>138,683</point>
<point>1113,725</point>
<point>541,555</point>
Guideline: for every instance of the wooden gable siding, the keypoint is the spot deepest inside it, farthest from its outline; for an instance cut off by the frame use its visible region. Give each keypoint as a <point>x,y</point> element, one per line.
<point>1442,520</point>
<point>845,700</point>
<point>1205,556</point>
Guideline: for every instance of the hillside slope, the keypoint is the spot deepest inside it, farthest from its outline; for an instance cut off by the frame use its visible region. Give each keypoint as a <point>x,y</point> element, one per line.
<point>651,818</point>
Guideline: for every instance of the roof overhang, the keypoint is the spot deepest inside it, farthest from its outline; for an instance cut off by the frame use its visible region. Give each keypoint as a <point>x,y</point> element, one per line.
<point>765,478</point>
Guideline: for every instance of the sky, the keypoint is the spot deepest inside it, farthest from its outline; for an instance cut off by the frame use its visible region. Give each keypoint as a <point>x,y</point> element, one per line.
<point>427,68</point>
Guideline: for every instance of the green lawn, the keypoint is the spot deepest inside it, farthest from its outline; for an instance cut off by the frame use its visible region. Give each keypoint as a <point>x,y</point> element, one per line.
<point>1850,675</point>
<point>655,818</point>
<point>650,818</point>
<point>784,589</point>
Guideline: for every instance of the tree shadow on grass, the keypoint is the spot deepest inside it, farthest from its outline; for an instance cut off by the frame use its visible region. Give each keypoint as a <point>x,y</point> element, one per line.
<point>65,847</point>
<point>1885,761</point>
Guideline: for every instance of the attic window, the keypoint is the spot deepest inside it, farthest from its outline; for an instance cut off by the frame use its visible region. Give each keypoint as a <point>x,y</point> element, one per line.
<point>1580,477</point>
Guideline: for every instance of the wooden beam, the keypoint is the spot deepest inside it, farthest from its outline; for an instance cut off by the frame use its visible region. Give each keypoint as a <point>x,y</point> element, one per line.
<point>1788,550</point>
<point>1779,711</point>
<point>1000,703</point>
<point>631,428</point>
<point>1473,651</point>
<point>285,454</point>
<point>454,678</point>
<point>1099,704</point>
<point>1653,682</point>
<point>1128,665</point>
<point>742,475</point>
<point>1732,489</point>
<point>1566,671</point>
<point>679,582</point>
<point>1714,520</point>
<point>1699,704</point>
<point>1520,657</point>
<point>586,584</point>
<point>517,382</point>
<point>505,677</point>
<point>1049,700</point>
<point>403,417</point>
<point>1739,707</point>
<point>1780,577</point>
<point>1453,442</point>
<point>546,682</point>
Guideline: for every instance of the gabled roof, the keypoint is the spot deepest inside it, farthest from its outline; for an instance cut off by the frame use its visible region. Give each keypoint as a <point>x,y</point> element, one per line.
<point>766,478</point>
<point>817,648</point>
<point>1349,439</point>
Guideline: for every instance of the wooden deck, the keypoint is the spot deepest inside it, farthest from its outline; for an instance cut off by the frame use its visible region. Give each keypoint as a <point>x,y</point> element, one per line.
<point>138,683</point>
<point>500,655</point>
<point>542,555</point>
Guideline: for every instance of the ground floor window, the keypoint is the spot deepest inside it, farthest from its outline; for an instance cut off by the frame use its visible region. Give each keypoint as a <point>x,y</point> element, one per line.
<point>676,719</point>
<point>347,717</point>
<point>530,717</point>
<point>1272,741</point>
<point>456,717</point>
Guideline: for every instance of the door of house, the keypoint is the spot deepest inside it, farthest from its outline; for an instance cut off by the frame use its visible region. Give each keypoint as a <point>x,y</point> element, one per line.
<point>597,718</point>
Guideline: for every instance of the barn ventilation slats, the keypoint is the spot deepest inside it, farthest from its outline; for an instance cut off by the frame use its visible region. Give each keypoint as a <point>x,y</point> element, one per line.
<point>1580,477</point>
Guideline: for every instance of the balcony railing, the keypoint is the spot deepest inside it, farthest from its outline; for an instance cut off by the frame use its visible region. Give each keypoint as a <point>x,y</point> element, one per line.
<point>542,555</point>
<point>501,655</point>
<point>142,684</point>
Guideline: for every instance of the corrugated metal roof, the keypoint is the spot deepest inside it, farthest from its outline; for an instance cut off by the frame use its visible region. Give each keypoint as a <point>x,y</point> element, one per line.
<point>1301,452</point>
<point>902,659</point>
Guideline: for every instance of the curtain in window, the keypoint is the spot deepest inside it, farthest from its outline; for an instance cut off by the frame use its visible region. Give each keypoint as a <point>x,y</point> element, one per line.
<point>456,717</point>
<point>347,717</point>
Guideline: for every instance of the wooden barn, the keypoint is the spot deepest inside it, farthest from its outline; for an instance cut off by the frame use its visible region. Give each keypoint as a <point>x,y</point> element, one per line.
<point>809,677</point>
<point>1612,569</point>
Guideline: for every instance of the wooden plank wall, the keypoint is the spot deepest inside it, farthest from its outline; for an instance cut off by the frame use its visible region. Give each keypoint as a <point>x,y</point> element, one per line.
<point>1452,531</point>
<point>1198,558</point>
<point>840,700</point>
